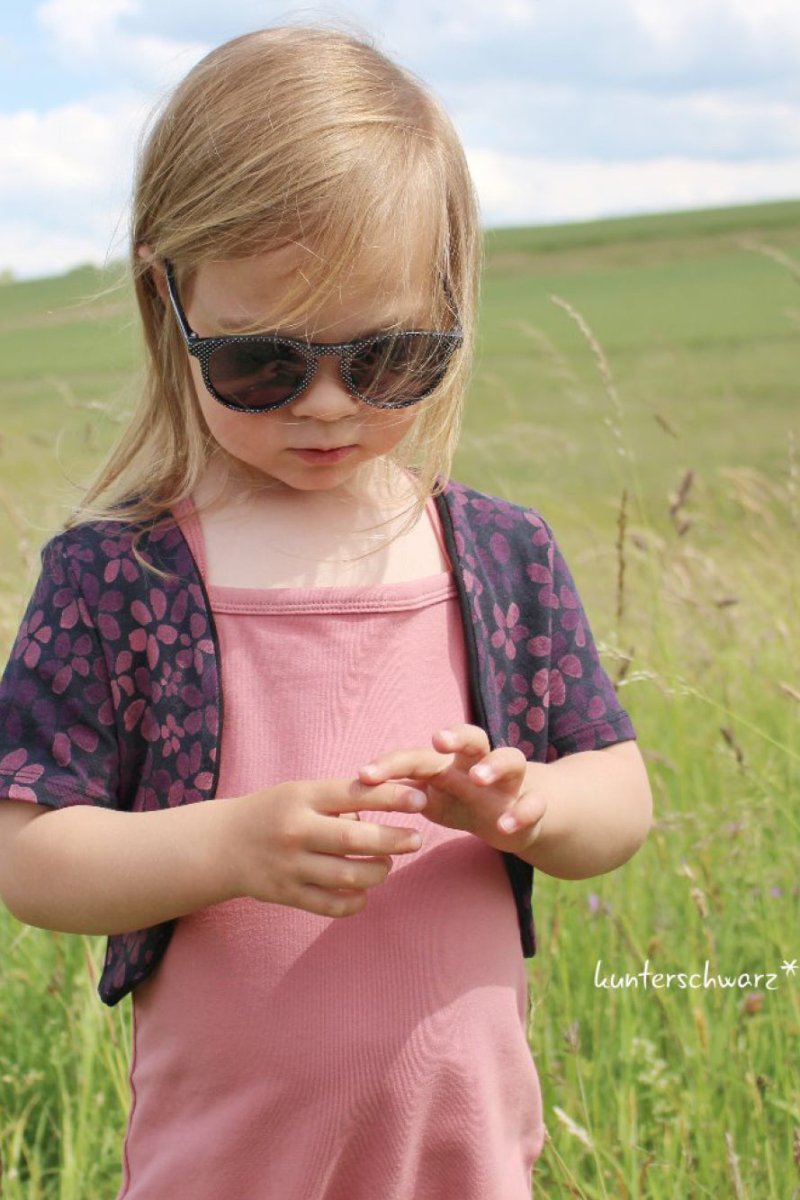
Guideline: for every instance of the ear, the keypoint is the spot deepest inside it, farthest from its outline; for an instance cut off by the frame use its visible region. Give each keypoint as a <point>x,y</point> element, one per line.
<point>157,276</point>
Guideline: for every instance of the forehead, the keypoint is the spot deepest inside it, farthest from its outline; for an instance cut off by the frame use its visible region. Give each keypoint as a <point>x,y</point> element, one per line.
<point>288,289</point>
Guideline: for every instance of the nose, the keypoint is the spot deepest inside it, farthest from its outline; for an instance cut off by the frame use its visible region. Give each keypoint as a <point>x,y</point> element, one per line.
<point>326,398</point>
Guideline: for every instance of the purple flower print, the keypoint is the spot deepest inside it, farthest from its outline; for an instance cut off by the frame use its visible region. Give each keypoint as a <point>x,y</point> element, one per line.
<point>515,738</point>
<point>71,608</point>
<point>570,664</point>
<point>472,583</point>
<point>190,764</point>
<point>181,793</point>
<point>74,656</point>
<point>485,512</point>
<point>33,635</point>
<point>509,631</point>
<point>533,698</point>
<point>140,711</point>
<point>152,632</point>
<point>541,536</point>
<point>80,736</point>
<point>571,615</point>
<point>22,773</point>
<point>117,552</point>
<point>539,573</point>
<point>539,646</point>
<point>126,682</point>
<point>171,734</point>
<point>497,676</point>
<point>197,645</point>
<point>557,688</point>
<point>500,548</point>
<point>168,682</point>
<point>109,604</point>
<point>134,685</point>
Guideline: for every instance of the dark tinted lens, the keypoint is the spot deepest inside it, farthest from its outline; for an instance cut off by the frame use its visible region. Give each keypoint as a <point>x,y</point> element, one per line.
<point>257,374</point>
<point>400,368</point>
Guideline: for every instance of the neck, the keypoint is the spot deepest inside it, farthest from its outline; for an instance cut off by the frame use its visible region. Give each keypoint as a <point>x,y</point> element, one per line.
<point>226,484</point>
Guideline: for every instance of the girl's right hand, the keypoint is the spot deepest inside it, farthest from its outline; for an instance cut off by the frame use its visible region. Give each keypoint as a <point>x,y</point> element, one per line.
<point>298,844</point>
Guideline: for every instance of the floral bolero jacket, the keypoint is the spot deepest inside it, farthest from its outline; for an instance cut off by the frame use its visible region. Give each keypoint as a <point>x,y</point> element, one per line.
<point>112,692</point>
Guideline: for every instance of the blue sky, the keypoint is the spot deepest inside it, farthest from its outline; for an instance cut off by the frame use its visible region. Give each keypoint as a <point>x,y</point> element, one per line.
<point>569,109</point>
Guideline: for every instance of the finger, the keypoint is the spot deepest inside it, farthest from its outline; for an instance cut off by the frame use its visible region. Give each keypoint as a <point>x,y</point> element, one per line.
<point>351,795</point>
<point>368,839</point>
<point>326,903</point>
<point>526,813</point>
<point>462,739</point>
<point>498,766</point>
<point>334,873</point>
<point>421,764</point>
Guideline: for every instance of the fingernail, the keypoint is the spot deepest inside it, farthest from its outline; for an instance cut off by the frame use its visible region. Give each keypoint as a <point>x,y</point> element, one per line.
<point>507,823</point>
<point>484,773</point>
<point>369,769</point>
<point>416,799</point>
<point>447,736</point>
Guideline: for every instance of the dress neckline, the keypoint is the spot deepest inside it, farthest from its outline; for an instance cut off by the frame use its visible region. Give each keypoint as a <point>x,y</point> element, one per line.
<point>326,598</point>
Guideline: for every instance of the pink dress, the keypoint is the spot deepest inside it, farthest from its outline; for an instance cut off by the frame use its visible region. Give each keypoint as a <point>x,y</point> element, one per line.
<point>279,1055</point>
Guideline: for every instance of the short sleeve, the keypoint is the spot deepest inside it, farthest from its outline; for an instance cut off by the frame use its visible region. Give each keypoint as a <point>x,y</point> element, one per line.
<point>58,737</point>
<point>584,712</point>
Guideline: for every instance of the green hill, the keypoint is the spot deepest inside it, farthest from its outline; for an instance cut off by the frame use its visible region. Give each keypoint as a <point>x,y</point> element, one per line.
<point>696,312</point>
<point>638,381</point>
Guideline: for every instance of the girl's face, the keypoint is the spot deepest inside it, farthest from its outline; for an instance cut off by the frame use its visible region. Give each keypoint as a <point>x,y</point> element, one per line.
<point>239,293</point>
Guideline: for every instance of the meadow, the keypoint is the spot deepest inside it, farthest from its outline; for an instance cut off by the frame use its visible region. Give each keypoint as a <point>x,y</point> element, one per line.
<point>638,382</point>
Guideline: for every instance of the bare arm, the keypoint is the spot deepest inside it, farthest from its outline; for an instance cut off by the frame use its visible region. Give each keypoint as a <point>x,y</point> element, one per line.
<point>598,811</point>
<point>579,816</point>
<point>85,869</point>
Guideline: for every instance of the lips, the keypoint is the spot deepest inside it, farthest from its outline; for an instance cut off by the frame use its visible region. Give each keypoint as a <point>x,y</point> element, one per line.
<point>318,454</point>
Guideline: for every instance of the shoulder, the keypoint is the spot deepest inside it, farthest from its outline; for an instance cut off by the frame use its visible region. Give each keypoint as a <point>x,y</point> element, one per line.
<point>481,516</point>
<point>112,551</point>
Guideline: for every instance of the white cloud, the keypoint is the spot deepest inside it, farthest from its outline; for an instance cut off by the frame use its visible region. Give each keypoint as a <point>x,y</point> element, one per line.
<point>65,184</point>
<point>572,109</point>
<point>557,120</point>
<point>104,32</point>
<point>71,148</point>
<point>672,22</point>
<point>658,46</point>
<point>32,248</point>
<point>83,27</point>
<point>469,20</point>
<point>518,190</point>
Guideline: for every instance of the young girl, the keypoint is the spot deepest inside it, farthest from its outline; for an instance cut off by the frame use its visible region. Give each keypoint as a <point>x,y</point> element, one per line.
<point>275,599</point>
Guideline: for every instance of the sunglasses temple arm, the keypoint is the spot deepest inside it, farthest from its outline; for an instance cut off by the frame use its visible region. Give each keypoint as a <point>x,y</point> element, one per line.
<point>180,315</point>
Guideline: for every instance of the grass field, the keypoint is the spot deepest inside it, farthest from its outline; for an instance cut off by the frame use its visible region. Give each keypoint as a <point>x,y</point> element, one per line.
<point>638,382</point>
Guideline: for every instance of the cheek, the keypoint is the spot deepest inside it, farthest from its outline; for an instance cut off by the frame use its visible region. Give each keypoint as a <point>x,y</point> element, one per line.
<point>392,426</point>
<point>229,429</point>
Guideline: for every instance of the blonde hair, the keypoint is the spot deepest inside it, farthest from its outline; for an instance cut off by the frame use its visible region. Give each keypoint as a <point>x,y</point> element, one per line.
<point>302,136</point>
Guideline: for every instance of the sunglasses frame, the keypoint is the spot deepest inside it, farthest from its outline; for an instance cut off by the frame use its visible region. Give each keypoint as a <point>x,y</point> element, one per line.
<point>202,348</point>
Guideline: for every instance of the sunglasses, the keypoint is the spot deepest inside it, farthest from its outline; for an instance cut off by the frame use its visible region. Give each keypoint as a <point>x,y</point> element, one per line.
<point>256,373</point>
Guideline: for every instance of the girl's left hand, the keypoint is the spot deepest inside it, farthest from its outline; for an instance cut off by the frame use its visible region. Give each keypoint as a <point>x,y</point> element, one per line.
<point>469,786</point>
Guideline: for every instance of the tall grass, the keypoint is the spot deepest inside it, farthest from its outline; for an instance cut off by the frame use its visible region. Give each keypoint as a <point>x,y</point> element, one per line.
<point>662,441</point>
<point>63,1070</point>
<point>655,1091</point>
